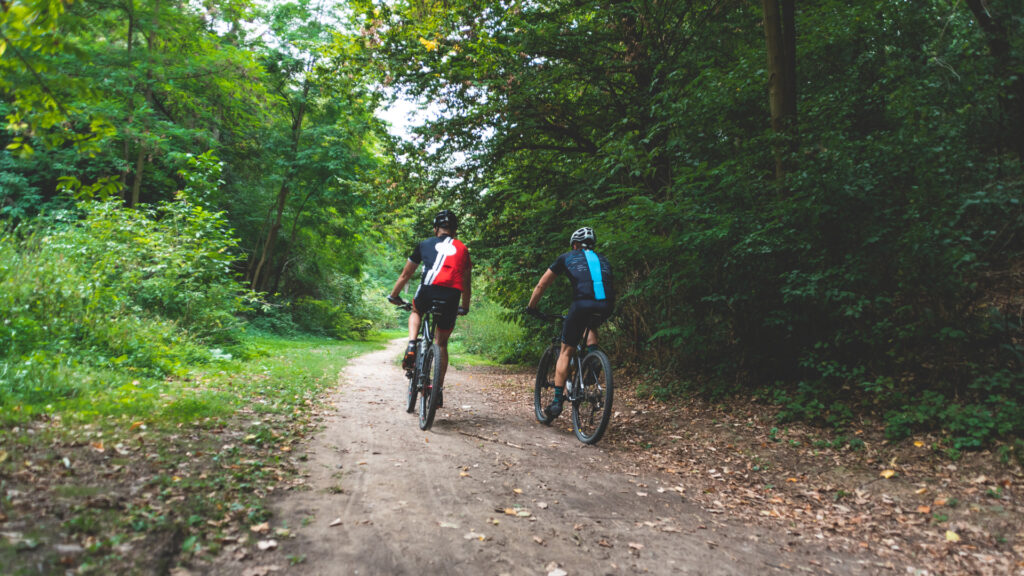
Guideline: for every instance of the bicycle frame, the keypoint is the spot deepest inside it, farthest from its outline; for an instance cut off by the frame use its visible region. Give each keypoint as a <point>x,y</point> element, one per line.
<point>574,383</point>
<point>588,387</point>
<point>425,382</point>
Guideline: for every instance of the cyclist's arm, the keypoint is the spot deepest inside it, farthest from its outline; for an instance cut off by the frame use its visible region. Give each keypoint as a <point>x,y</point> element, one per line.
<point>542,285</point>
<point>403,278</point>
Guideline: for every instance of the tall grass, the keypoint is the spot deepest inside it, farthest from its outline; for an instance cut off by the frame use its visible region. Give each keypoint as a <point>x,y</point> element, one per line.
<point>489,330</point>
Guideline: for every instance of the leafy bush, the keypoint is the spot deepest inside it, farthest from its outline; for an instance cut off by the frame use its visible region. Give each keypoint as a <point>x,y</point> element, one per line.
<point>143,291</point>
<point>327,319</point>
<point>490,331</point>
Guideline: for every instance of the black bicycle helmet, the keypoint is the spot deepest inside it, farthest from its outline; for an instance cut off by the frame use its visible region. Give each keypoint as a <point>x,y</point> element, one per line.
<point>446,219</point>
<point>584,236</point>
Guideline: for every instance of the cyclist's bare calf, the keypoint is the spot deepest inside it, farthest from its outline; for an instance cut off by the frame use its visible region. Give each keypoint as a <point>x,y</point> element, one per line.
<point>441,338</point>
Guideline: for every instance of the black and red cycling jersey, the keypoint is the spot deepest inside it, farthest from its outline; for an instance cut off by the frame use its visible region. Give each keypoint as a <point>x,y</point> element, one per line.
<point>445,261</point>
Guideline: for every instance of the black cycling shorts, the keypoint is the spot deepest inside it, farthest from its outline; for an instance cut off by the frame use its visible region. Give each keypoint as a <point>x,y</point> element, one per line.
<point>584,313</point>
<point>449,299</point>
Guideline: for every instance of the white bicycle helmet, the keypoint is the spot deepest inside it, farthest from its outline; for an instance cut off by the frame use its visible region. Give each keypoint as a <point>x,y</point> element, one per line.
<point>584,236</point>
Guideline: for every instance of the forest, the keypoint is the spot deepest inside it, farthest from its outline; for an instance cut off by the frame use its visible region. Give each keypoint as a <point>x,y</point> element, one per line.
<point>817,204</point>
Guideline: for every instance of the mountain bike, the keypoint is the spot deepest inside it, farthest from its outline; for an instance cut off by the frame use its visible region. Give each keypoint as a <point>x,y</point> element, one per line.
<point>589,388</point>
<point>425,377</point>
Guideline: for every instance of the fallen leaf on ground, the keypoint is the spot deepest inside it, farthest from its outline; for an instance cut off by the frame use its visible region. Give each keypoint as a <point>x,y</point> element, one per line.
<point>952,536</point>
<point>475,536</point>
<point>267,544</point>
<point>887,474</point>
<point>335,522</point>
<point>538,540</point>
<point>924,509</point>
<point>260,528</point>
<point>517,490</point>
<point>636,546</point>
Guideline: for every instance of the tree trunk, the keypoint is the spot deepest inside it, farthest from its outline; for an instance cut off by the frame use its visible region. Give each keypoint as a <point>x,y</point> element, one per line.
<point>282,196</point>
<point>275,228</point>
<point>285,258</point>
<point>993,18</point>
<point>140,165</point>
<point>140,162</point>
<point>780,40</point>
<point>126,133</point>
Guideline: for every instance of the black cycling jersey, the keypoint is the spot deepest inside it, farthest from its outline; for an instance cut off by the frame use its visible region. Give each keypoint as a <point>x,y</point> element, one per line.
<point>589,273</point>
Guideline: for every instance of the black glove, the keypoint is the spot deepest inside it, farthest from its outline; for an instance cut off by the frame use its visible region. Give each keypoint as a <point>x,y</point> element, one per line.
<point>396,300</point>
<point>534,312</point>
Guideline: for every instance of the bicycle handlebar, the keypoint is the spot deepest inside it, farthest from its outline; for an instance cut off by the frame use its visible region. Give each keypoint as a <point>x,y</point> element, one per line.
<point>399,302</point>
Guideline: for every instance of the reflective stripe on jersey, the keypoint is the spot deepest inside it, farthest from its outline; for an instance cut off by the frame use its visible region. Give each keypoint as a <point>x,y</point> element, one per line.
<point>444,249</point>
<point>595,274</point>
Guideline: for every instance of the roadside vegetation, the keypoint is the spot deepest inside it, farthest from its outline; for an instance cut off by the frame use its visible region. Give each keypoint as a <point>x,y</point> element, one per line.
<point>152,471</point>
<point>199,217</point>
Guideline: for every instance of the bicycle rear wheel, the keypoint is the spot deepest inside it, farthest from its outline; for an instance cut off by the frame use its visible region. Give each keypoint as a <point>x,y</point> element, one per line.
<point>431,377</point>
<point>544,386</point>
<point>592,409</point>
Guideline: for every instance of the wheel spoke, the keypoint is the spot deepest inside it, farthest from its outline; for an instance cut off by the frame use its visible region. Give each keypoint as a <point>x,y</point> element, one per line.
<point>593,412</point>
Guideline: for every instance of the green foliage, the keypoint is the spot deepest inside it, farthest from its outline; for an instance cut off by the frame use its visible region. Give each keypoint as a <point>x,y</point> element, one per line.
<point>877,277</point>
<point>326,319</point>
<point>140,291</point>
<point>492,331</point>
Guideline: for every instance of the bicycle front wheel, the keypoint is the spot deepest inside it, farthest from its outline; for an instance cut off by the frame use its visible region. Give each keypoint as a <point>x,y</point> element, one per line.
<point>430,375</point>
<point>413,393</point>
<point>544,386</point>
<point>592,409</point>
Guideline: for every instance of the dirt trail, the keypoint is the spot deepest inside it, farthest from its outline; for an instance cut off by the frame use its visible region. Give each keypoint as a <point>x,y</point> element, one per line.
<point>438,502</point>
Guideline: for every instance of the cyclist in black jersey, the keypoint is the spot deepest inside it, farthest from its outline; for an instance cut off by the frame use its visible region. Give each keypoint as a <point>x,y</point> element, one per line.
<point>593,298</point>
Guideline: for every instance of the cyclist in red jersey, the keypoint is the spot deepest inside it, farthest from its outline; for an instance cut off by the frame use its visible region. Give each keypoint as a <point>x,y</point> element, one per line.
<point>447,272</point>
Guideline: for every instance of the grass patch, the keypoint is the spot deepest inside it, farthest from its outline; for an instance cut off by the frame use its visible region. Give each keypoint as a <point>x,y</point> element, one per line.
<point>172,465</point>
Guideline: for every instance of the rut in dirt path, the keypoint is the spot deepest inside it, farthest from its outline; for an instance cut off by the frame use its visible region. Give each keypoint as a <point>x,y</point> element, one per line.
<point>489,490</point>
